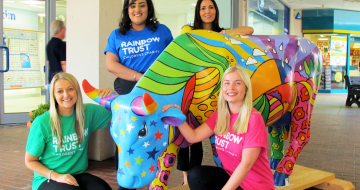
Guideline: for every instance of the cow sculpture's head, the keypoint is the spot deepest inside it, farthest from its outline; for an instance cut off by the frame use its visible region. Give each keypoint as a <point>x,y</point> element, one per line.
<point>141,132</point>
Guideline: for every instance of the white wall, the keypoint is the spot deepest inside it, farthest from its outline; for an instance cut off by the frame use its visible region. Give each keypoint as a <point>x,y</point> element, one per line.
<point>171,22</point>
<point>88,29</point>
<point>295,24</point>
<point>225,12</point>
<point>87,36</point>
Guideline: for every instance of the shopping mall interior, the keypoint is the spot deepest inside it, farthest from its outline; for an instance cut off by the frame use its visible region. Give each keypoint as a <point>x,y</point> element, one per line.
<point>332,25</point>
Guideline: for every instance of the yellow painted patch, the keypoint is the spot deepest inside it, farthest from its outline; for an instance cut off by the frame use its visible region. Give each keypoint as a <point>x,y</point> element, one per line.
<point>265,78</point>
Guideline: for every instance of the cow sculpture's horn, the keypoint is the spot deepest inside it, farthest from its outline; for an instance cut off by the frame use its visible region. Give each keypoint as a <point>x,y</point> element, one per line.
<point>150,104</point>
<point>144,105</point>
<point>92,93</point>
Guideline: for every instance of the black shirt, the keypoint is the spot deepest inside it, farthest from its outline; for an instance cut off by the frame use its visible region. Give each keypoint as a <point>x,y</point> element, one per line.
<point>56,52</point>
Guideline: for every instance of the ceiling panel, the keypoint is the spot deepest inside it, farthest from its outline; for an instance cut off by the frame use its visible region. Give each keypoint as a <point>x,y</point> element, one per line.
<point>325,4</point>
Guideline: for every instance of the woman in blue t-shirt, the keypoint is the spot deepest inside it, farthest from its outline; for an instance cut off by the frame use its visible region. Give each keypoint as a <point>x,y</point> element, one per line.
<point>132,48</point>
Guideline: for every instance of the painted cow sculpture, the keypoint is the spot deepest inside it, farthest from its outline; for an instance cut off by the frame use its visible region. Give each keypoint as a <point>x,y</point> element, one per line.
<point>284,70</point>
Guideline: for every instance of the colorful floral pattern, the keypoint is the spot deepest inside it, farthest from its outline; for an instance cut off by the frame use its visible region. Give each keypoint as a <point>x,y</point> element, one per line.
<point>289,152</point>
<point>289,165</point>
<point>299,113</point>
<point>304,94</point>
<point>297,152</point>
<point>305,124</point>
<point>280,170</point>
<point>274,133</point>
<point>308,133</point>
<point>301,138</point>
<point>281,138</point>
<point>293,126</point>
<point>275,146</point>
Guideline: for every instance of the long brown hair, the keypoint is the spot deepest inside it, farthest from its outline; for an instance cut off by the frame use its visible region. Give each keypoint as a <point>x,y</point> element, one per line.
<point>151,20</point>
<point>198,23</point>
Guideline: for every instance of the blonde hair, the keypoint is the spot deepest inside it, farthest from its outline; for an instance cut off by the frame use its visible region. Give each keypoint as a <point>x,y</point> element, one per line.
<point>55,118</point>
<point>223,121</point>
<point>55,26</point>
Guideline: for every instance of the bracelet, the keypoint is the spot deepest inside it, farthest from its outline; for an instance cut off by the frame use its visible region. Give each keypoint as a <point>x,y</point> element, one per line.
<point>135,76</point>
<point>49,176</point>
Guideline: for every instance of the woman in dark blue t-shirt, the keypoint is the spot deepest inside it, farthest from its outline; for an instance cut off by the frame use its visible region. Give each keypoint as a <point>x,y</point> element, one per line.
<point>132,48</point>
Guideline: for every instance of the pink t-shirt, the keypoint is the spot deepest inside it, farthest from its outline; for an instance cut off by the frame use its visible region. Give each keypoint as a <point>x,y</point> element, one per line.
<point>229,148</point>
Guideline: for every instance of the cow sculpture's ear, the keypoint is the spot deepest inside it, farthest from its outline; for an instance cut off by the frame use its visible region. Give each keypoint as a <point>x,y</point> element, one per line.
<point>173,116</point>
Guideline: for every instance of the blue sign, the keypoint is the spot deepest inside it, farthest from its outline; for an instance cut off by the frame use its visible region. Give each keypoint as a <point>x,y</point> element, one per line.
<point>25,60</point>
<point>266,8</point>
<point>286,20</point>
<point>298,16</point>
<point>355,39</point>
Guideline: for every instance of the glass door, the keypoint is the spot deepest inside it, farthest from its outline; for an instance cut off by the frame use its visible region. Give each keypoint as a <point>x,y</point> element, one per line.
<point>22,81</point>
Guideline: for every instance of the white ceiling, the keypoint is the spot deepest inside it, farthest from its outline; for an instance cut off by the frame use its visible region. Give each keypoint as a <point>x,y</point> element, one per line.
<point>176,7</point>
<point>34,5</point>
<point>324,4</point>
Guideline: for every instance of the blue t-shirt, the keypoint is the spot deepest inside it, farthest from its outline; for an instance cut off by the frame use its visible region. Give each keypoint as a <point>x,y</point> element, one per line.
<point>137,50</point>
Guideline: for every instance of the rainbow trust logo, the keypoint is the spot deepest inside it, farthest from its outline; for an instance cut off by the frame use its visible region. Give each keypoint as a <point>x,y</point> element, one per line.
<point>261,5</point>
<point>8,16</point>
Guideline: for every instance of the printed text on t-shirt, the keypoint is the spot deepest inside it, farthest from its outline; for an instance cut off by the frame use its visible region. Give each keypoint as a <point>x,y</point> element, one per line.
<point>224,141</point>
<point>69,144</point>
<point>138,46</point>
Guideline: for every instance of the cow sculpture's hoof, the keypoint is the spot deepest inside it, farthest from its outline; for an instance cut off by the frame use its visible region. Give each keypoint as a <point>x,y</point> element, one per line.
<point>274,163</point>
<point>280,179</point>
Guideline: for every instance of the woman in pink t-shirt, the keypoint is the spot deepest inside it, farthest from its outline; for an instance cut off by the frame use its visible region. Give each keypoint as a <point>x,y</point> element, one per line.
<point>240,139</point>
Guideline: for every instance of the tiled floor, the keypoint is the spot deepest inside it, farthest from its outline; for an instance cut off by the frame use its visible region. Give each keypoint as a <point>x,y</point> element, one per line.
<point>333,147</point>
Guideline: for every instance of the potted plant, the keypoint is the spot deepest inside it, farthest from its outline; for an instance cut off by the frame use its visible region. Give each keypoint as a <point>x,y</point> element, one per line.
<point>42,108</point>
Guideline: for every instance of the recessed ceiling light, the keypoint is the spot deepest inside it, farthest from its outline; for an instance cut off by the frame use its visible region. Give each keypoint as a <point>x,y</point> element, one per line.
<point>36,6</point>
<point>41,14</point>
<point>193,4</point>
<point>323,39</point>
<point>321,35</point>
<point>32,2</point>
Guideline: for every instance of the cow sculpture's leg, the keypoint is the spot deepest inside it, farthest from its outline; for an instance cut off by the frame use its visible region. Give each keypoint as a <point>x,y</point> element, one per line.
<point>165,163</point>
<point>276,135</point>
<point>300,134</point>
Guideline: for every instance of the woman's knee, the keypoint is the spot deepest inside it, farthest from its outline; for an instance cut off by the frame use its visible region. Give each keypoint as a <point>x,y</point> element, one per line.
<point>194,173</point>
<point>92,182</point>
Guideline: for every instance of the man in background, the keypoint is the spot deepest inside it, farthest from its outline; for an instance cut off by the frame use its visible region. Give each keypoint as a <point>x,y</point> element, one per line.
<point>56,49</point>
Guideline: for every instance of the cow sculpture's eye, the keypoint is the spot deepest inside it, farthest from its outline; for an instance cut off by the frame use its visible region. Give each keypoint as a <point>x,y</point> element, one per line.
<point>143,132</point>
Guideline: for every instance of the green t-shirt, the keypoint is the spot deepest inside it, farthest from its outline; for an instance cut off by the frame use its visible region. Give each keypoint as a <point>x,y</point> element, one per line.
<point>71,158</point>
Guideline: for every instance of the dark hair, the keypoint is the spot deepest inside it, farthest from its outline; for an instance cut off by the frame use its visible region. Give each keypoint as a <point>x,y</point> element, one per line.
<point>198,23</point>
<point>151,20</point>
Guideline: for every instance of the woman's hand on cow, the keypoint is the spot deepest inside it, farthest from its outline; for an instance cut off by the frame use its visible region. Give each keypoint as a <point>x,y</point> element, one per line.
<point>105,91</point>
<point>170,106</point>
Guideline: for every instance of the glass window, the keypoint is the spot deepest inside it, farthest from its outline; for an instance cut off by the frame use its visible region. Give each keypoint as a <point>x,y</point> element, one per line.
<point>333,48</point>
<point>266,17</point>
<point>24,35</point>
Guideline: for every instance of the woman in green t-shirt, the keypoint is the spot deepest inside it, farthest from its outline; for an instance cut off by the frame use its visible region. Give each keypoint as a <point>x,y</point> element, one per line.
<point>57,144</point>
